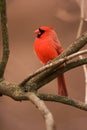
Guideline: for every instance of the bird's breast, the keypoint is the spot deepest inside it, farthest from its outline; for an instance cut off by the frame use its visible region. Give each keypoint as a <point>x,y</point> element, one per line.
<point>45,51</point>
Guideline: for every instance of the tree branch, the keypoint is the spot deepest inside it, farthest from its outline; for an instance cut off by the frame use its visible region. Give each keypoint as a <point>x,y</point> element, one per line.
<point>50,71</point>
<point>82,19</point>
<point>5,40</point>
<point>64,100</point>
<point>14,91</point>
<point>50,125</point>
<point>53,65</point>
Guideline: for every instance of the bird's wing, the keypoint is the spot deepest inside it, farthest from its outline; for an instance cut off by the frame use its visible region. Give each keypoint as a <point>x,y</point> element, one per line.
<point>57,46</point>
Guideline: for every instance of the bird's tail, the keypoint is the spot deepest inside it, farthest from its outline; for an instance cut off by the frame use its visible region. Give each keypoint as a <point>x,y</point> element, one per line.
<point>62,90</point>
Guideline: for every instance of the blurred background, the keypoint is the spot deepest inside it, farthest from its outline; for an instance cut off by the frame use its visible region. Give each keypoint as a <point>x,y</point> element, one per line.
<point>24,16</point>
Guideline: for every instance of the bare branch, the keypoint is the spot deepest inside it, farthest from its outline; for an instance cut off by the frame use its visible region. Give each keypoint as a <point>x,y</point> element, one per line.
<point>57,62</point>
<point>15,92</point>
<point>4,37</point>
<point>45,77</point>
<point>82,19</point>
<point>43,109</point>
<point>49,72</point>
<point>70,57</point>
<point>64,100</point>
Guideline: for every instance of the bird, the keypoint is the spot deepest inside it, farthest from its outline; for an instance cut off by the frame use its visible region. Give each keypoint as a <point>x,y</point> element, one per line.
<point>47,47</point>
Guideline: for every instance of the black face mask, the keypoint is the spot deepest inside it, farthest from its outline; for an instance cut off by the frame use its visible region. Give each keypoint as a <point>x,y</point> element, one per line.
<point>41,32</point>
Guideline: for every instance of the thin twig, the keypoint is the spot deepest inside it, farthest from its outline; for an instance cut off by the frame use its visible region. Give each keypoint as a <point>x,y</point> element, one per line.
<point>85,77</point>
<point>43,109</point>
<point>82,19</point>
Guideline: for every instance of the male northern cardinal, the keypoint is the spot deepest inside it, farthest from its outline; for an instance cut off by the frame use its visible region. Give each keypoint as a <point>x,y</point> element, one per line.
<point>48,47</point>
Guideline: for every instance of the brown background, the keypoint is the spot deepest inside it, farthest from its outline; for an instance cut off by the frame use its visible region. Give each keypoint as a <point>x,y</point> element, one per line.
<point>24,16</point>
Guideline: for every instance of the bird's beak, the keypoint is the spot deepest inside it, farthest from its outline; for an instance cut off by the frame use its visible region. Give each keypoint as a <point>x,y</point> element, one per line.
<point>37,31</point>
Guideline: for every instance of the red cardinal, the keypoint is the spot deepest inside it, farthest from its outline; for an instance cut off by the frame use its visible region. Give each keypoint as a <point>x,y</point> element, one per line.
<point>48,47</point>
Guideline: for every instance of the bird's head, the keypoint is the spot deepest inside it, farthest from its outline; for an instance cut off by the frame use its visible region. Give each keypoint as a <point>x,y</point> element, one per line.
<point>43,30</point>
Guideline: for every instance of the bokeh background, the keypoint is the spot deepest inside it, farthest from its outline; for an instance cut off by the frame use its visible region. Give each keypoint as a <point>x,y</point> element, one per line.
<point>24,16</point>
